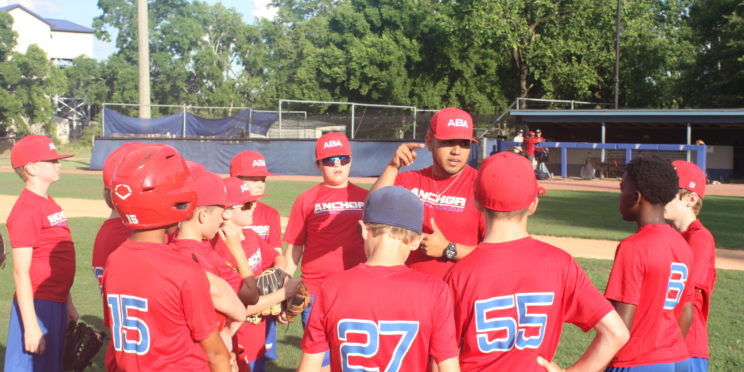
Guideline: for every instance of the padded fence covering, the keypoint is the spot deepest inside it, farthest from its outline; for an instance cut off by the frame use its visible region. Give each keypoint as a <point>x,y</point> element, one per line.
<point>284,157</point>
<point>240,123</point>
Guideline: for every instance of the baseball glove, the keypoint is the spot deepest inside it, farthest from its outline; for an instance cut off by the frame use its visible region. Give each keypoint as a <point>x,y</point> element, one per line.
<point>270,281</point>
<point>82,343</point>
<point>295,305</point>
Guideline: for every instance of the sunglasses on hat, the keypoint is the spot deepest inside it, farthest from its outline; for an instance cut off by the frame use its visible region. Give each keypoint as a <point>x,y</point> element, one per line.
<point>245,207</point>
<point>330,162</point>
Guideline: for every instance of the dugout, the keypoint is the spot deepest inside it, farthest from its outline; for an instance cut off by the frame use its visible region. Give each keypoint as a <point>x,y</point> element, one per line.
<point>721,129</point>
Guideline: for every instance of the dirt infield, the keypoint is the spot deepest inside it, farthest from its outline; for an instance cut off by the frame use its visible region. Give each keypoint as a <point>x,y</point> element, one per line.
<point>588,248</point>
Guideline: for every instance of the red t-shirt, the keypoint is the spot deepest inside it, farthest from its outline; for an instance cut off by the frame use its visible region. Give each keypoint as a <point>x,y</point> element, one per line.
<point>159,308</point>
<point>38,222</point>
<point>703,248</point>
<point>391,316</point>
<point>267,224</point>
<point>511,300</point>
<point>110,236</point>
<point>651,271</point>
<point>325,221</point>
<point>529,145</point>
<point>210,259</point>
<point>450,202</point>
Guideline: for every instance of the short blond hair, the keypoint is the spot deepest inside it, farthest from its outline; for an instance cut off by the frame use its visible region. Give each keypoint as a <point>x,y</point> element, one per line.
<point>509,215</point>
<point>695,208</point>
<point>404,235</point>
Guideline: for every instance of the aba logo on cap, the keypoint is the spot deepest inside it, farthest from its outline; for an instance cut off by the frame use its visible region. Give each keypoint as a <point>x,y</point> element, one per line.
<point>259,163</point>
<point>243,188</point>
<point>332,143</point>
<point>458,123</point>
<point>52,147</point>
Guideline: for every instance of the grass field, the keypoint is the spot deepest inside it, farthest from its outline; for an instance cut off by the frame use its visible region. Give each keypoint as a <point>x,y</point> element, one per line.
<point>563,213</point>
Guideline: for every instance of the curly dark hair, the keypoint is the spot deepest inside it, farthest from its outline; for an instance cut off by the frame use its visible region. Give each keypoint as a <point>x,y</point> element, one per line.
<point>654,177</point>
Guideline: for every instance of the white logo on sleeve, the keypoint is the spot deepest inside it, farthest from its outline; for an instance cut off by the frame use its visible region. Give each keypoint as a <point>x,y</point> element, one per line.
<point>458,123</point>
<point>332,143</point>
<point>259,163</point>
<point>57,218</point>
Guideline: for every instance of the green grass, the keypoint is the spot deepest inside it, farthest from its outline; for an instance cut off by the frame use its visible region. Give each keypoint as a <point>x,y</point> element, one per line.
<point>81,160</point>
<point>594,215</point>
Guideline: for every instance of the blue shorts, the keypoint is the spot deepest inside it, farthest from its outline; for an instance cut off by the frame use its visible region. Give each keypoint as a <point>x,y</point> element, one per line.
<point>698,365</point>
<point>52,317</point>
<point>681,366</point>
<point>270,354</point>
<point>305,318</point>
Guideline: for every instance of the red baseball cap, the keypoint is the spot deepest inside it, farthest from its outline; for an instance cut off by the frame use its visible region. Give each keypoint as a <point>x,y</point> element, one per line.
<point>109,165</point>
<point>691,177</point>
<point>332,144</point>
<point>238,193</point>
<point>31,149</point>
<point>506,183</point>
<point>209,187</point>
<point>249,164</point>
<point>451,123</point>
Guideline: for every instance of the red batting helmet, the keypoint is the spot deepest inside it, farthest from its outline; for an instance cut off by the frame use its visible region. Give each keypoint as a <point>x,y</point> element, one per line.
<point>149,188</point>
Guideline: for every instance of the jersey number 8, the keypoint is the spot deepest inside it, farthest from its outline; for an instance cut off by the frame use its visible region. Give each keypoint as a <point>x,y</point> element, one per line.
<point>676,286</point>
<point>516,329</point>
<point>406,329</point>
<point>124,310</point>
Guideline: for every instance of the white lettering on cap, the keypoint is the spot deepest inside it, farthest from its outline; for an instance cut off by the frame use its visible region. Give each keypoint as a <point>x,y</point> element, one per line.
<point>51,146</point>
<point>332,143</point>
<point>692,184</point>
<point>243,188</point>
<point>259,163</point>
<point>457,123</point>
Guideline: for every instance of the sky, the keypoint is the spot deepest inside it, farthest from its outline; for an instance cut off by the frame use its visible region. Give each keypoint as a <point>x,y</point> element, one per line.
<point>82,12</point>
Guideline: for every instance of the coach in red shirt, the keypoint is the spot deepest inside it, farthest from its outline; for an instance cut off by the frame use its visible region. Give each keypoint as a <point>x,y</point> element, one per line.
<point>452,224</point>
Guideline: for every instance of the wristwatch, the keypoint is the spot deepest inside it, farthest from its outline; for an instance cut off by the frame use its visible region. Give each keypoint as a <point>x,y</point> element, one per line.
<point>451,251</point>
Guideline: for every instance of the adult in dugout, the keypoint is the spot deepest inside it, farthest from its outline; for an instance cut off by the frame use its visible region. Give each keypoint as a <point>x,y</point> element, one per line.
<point>452,224</point>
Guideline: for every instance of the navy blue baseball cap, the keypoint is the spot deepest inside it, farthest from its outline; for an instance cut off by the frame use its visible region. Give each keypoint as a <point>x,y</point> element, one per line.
<point>395,206</point>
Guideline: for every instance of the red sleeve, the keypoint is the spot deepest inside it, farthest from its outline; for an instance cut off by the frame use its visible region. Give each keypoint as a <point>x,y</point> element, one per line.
<point>275,230</point>
<point>197,305</point>
<point>315,341</point>
<point>626,277</point>
<point>268,254</point>
<point>443,344</point>
<point>296,227</point>
<point>703,255</point>
<point>24,228</point>
<point>583,304</point>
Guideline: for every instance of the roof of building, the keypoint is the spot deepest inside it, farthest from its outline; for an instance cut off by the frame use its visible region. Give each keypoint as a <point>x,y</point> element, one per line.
<point>59,25</point>
<point>632,116</point>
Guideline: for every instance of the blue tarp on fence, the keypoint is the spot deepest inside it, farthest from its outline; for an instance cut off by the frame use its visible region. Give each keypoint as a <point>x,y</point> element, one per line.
<point>245,121</point>
<point>284,157</point>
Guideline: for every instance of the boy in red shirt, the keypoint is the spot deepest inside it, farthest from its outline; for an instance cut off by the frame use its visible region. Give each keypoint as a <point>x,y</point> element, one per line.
<point>250,167</point>
<point>322,227</point>
<point>255,255</point>
<point>160,314</point>
<point>381,315</point>
<point>682,212</point>
<point>112,232</point>
<point>452,224</point>
<point>513,293</point>
<point>648,284</point>
<point>529,147</point>
<point>43,262</point>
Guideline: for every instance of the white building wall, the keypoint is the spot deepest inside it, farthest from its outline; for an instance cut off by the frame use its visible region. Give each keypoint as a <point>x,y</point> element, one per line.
<point>69,45</point>
<point>30,30</point>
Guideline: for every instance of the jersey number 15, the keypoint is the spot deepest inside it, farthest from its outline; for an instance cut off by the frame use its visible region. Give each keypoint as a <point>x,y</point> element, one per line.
<point>515,328</point>
<point>124,320</point>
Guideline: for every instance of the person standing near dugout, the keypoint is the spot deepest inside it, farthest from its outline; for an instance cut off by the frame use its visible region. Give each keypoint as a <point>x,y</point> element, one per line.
<point>650,282</point>
<point>683,212</point>
<point>513,293</point>
<point>43,262</point>
<point>452,224</point>
<point>322,227</point>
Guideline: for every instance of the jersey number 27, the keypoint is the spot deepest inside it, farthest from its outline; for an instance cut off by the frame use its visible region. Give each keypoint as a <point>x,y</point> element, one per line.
<point>373,331</point>
<point>515,328</point>
<point>123,311</point>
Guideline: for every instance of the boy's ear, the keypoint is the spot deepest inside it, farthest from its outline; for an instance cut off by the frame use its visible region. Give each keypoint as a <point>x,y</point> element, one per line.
<point>201,215</point>
<point>692,199</point>
<point>533,206</point>
<point>363,229</point>
<point>416,243</point>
